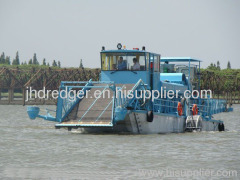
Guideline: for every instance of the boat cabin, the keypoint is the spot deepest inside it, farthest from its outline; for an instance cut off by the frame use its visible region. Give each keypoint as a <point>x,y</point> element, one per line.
<point>124,66</point>
<point>180,70</point>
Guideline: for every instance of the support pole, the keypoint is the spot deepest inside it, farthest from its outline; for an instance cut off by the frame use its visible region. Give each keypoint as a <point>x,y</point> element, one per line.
<point>10,95</point>
<point>23,96</point>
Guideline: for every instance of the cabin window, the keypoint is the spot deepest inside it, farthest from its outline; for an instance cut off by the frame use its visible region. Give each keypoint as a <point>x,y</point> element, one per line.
<point>104,62</point>
<point>156,64</point>
<point>159,63</point>
<point>147,61</point>
<point>123,61</point>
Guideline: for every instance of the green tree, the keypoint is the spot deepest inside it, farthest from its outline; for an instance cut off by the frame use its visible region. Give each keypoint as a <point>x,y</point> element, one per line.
<point>30,61</point>
<point>44,62</point>
<point>16,61</point>
<point>35,61</point>
<point>212,67</point>
<point>7,60</point>
<point>17,58</point>
<point>25,63</point>
<point>81,64</point>
<point>228,65</point>
<point>2,58</point>
<point>48,64</point>
<point>218,65</point>
<point>54,64</point>
<point>59,64</point>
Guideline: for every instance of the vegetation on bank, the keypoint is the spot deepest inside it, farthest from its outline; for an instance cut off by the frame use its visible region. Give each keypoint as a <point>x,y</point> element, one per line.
<point>220,80</point>
<point>228,71</point>
<point>6,61</point>
<point>213,77</point>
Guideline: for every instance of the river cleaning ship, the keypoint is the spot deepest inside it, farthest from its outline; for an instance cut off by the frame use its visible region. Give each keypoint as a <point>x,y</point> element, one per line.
<point>145,94</point>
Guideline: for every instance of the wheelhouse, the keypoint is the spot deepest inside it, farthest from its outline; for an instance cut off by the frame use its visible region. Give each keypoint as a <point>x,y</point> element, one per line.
<point>111,61</point>
<point>128,66</point>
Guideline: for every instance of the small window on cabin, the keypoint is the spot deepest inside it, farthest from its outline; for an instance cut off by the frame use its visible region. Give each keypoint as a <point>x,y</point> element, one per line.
<point>136,62</point>
<point>185,71</point>
<point>147,61</point>
<point>159,63</point>
<point>104,62</point>
<point>123,61</point>
<point>156,63</point>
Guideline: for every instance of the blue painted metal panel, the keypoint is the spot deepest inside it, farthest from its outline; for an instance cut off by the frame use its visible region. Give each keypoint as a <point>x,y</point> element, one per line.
<point>156,80</point>
<point>173,77</point>
<point>59,107</point>
<point>128,51</point>
<point>124,77</point>
<point>174,86</point>
<point>33,113</point>
<point>179,59</point>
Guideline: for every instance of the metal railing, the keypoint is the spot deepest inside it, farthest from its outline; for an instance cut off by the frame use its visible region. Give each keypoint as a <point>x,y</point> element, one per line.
<point>166,105</point>
<point>92,104</point>
<point>66,105</point>
<point>206,107</point>
<point>123,101</point>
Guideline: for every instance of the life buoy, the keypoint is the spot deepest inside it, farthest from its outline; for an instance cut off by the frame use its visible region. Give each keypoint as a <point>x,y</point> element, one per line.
<point>180,109</point>
<point>194,109</point>
<point>149,116</point>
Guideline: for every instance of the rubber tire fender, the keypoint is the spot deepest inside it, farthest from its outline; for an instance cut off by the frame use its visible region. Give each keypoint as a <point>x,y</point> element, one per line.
<point>149,116</point>
<point>221,127</point>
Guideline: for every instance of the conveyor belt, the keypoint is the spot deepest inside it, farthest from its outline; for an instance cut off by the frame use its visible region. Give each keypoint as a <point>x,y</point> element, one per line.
<point>99,114</point>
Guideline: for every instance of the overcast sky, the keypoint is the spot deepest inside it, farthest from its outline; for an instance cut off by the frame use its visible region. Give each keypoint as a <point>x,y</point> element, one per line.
<point>70,30</point>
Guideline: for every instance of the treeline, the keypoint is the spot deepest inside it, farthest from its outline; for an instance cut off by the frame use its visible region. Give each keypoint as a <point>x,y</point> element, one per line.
<point>6,60</point>
<point>217,70</point>
<point>221,80</point>
<point>214,66</point>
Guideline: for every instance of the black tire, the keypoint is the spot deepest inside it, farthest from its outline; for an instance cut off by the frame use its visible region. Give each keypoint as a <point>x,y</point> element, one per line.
<point>221,127</point>
<point>149,116</point>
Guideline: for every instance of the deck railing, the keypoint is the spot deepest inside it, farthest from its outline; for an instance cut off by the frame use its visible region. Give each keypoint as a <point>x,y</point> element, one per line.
<point>166,105</point>
<point>206,107</point>
<point>66,105</point>
<point>123,101</point>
